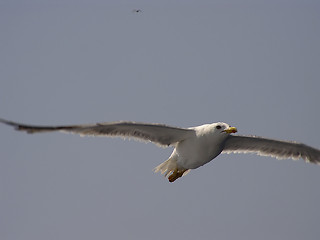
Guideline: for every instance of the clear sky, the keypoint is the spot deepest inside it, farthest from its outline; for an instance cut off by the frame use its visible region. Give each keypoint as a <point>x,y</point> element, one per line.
<point>252,64</point>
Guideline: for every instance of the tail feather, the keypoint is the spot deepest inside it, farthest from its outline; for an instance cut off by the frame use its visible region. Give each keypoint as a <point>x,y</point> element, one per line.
<point>166,167</point>
<point>169,166</point>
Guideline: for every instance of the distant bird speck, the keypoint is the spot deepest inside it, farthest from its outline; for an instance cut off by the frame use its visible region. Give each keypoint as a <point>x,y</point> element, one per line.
<point>136,10</point>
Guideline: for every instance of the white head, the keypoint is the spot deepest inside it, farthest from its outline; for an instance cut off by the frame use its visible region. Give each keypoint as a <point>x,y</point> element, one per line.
<point>217,130</point>
<point>223,128</point>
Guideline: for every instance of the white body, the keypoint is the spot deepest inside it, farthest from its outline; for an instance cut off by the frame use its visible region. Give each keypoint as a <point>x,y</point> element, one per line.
<point>195,152</point>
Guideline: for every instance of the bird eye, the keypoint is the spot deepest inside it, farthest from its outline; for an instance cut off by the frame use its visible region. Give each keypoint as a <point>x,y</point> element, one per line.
<point>218,127</point>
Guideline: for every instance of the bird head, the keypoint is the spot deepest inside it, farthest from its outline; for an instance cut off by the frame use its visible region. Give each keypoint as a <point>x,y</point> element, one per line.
<point>225,128</point>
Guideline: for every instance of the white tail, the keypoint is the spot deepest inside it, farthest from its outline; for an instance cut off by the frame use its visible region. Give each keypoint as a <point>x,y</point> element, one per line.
<point>169,166</point>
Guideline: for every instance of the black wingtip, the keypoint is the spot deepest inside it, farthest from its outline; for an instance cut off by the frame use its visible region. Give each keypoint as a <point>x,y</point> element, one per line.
<point>16,126</point>
<point>8,122</point>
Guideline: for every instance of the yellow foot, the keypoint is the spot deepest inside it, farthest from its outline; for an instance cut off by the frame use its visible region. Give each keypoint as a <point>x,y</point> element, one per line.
<point>175,175</point>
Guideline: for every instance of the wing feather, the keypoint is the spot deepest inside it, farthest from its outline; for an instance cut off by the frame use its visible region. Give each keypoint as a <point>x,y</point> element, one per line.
<point>157,133</point>
<point>272,148</point>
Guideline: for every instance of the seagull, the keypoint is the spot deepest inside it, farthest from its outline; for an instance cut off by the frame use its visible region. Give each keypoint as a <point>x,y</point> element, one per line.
<point>193,147</point>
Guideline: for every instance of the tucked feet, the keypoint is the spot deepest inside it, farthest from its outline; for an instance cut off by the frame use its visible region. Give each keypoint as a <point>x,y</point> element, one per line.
<point>175,175</point>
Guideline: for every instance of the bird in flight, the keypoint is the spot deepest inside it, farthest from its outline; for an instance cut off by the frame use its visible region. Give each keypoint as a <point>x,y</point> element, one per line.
<point>136,10</point>
<point>193,147</point>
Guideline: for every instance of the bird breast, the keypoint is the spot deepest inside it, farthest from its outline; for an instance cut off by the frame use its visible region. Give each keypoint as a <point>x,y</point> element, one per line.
<point>193,153</point>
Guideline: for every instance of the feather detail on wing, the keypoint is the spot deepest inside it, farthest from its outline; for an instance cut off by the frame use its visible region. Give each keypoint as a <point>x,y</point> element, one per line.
<point>272,148</point>
<point>157,133</point>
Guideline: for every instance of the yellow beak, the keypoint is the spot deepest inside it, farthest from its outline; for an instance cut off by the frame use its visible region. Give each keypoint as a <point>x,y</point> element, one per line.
<point>231,130</point>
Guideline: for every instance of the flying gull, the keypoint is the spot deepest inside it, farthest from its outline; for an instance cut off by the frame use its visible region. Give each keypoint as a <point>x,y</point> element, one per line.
<point>193,147</point>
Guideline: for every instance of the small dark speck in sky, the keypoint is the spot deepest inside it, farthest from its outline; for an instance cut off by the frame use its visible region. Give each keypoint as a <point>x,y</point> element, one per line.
<point>136,10</point>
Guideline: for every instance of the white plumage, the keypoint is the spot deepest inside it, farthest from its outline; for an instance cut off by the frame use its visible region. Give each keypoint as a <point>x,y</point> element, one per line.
<point>193,147</point>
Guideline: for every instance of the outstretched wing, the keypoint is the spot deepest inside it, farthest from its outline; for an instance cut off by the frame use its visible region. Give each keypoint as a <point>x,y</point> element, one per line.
<point>272,148</point>
<point>157,133</point>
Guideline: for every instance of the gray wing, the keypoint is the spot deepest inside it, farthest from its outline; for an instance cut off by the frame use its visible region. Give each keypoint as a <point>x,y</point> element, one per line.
<point>157,133</point>
<point>272,148</point>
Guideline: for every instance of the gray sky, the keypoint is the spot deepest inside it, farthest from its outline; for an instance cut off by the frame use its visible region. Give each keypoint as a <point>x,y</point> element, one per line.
<point>252,64</point>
